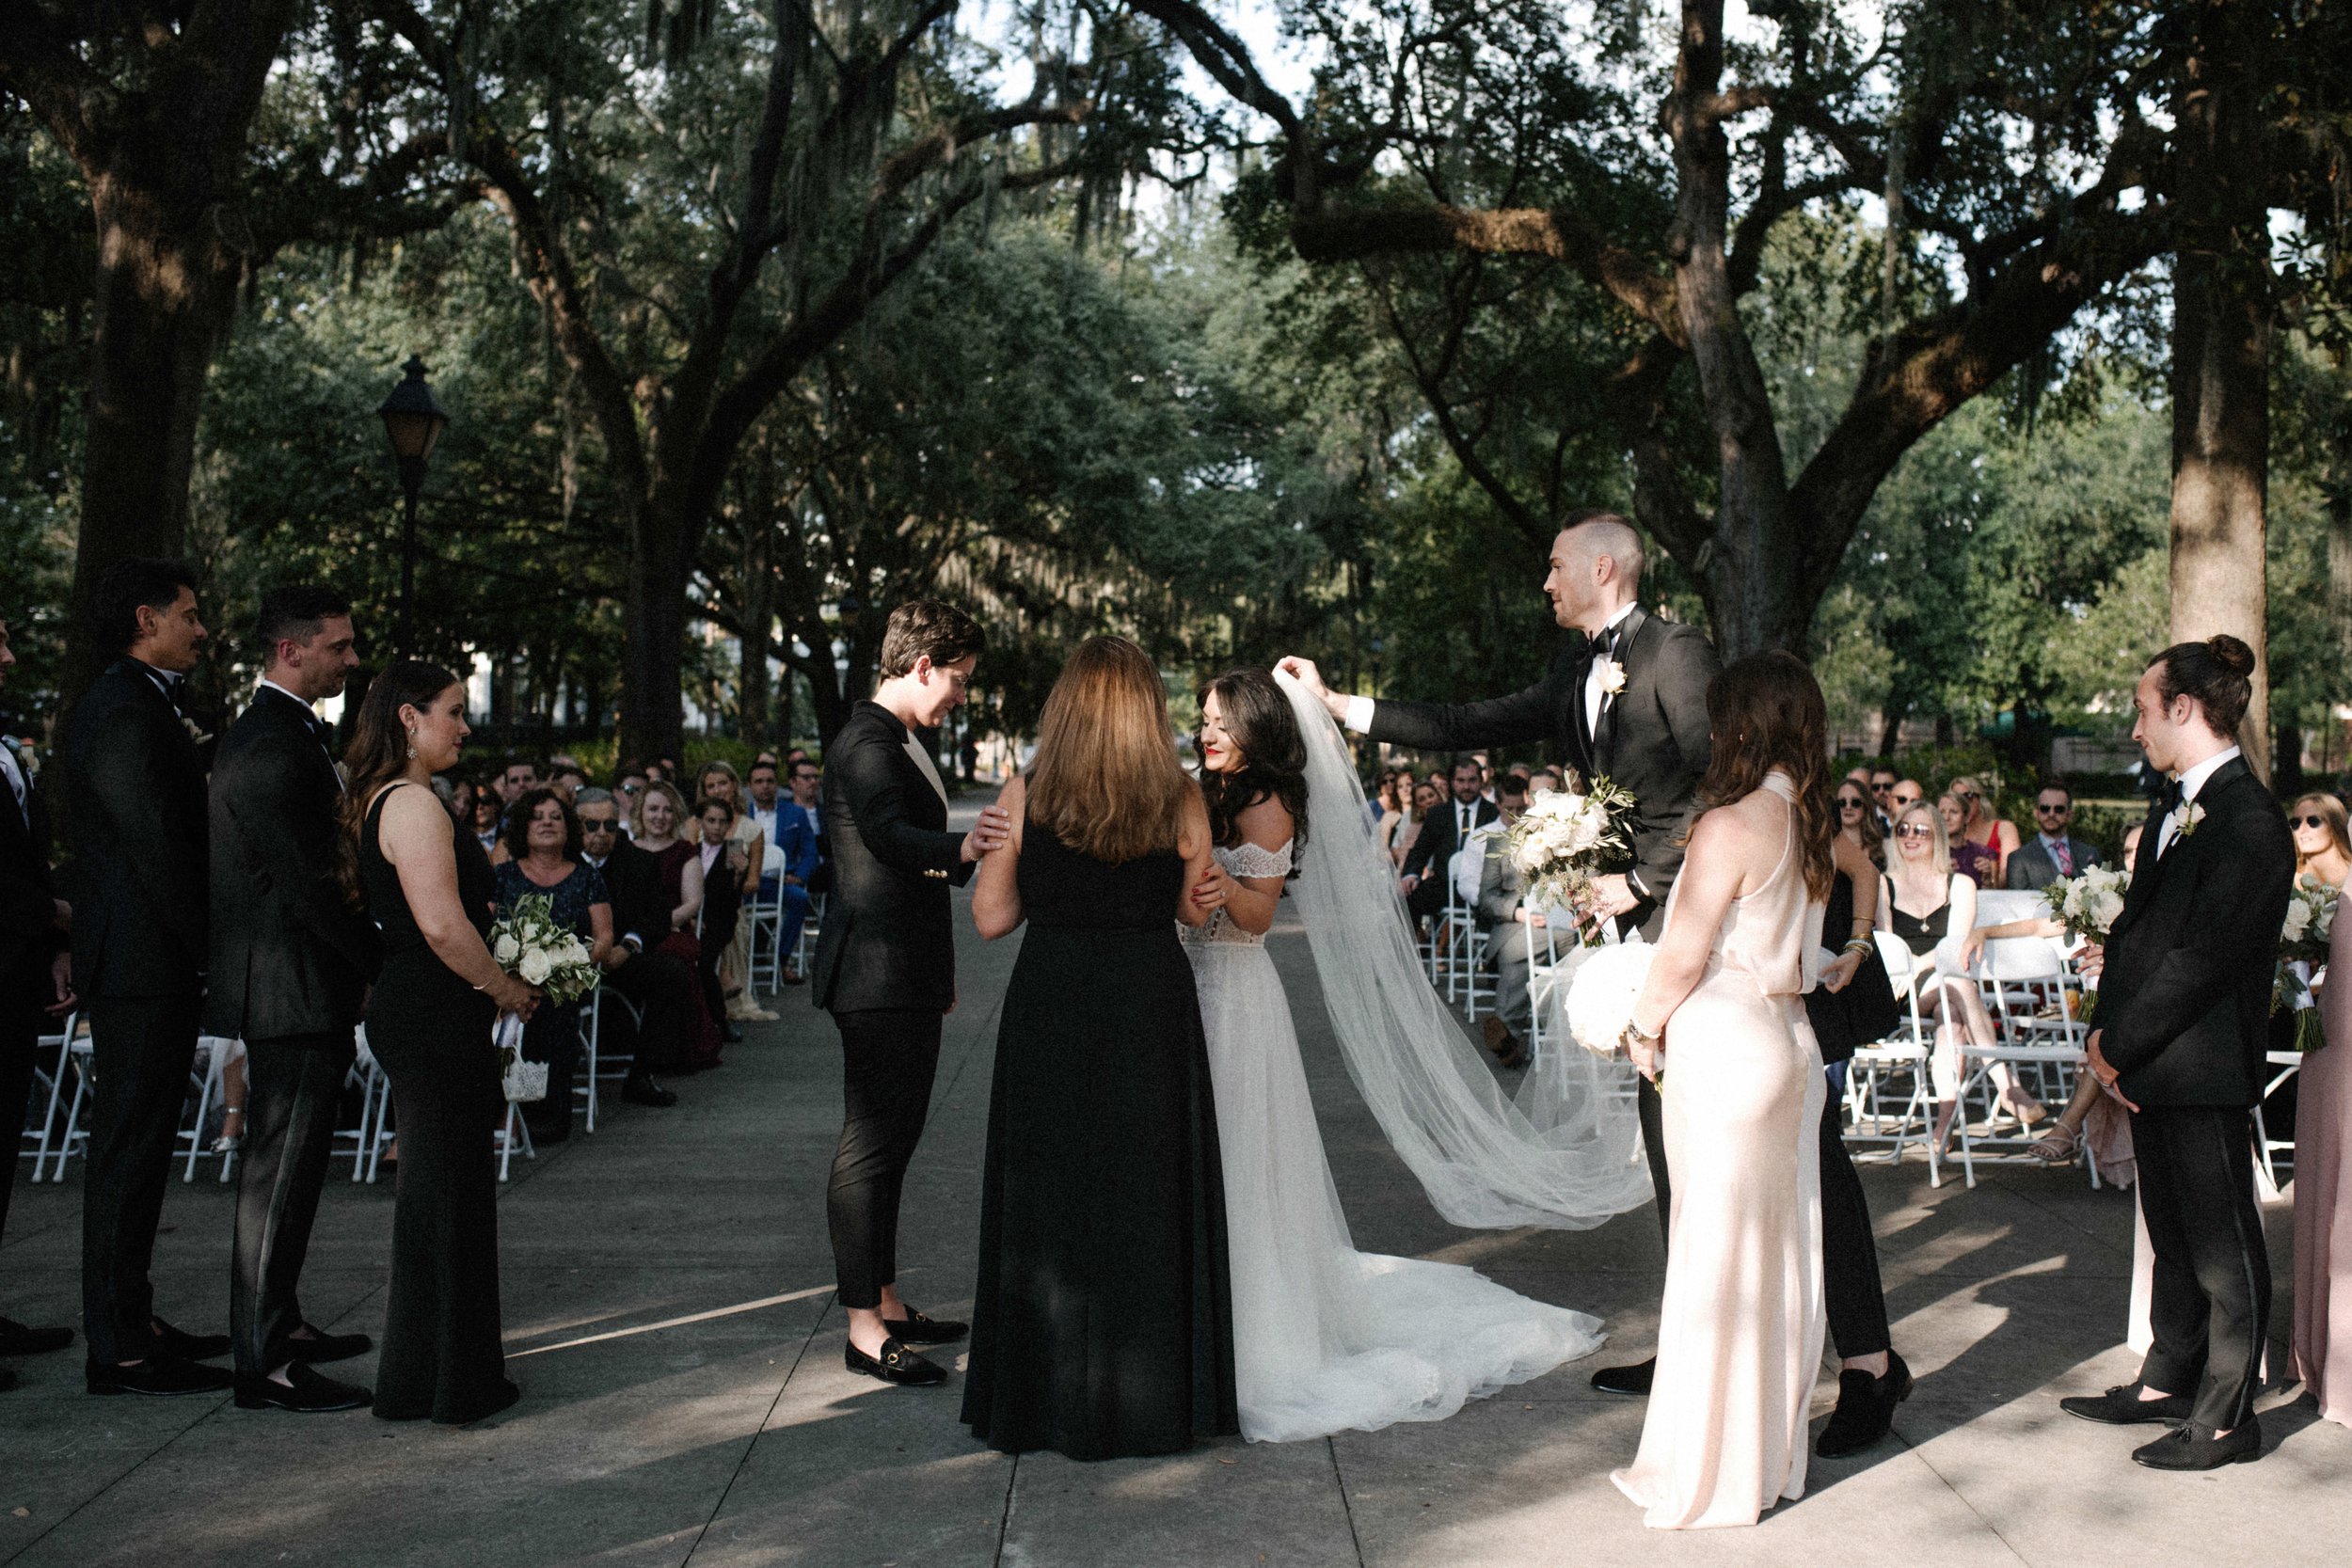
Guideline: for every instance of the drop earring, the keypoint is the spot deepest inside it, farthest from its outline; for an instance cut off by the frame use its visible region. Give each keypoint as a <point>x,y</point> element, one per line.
<point>412,746</point>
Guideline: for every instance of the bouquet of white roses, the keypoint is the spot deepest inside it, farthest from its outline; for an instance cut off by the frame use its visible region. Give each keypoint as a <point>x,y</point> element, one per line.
<point>2086,903</point>
<point>530,945</point>
<point>1564,839</point>
<point>1601,997</point>
<point>2302,947</point>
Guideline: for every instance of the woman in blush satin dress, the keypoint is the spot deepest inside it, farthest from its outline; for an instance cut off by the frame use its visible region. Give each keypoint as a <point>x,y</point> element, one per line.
<point>2322,1195</point>
<point>1743,1322</point>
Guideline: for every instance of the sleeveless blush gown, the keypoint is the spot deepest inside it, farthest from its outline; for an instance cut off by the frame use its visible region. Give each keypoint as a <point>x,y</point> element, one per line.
<point>1741,1326</point>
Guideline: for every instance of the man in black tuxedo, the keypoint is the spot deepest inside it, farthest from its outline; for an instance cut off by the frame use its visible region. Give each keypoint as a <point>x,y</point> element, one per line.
<point>36,980</point>
<point>885,965</point>
<point>2052,852</point>
<point>292,961</point>
<point>141,943</point>
<point>2184,1023</point>
<point>659,987</point>
<point>1625,699</point>
<point>1423,882</point>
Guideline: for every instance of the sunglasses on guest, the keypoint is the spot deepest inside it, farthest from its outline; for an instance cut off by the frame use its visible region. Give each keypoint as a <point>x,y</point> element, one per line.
<point>2058,810</point>
<point>1913,829</point>
<point>1851,802</point>
<point>2306,822</point>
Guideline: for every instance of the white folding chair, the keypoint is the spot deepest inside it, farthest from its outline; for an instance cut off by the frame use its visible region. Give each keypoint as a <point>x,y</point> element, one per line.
<point>44,1108</point>
<point>1901,1056</point>
<point>602,1065</point>
<point>2020,978</point>
<point>213,1055</point>
<point>810,929</point>
<point>516,1130</point>
<point>766,917</point>
<point>2284,1065</point>
<point>74,1139</point>
<point>368,1140</point>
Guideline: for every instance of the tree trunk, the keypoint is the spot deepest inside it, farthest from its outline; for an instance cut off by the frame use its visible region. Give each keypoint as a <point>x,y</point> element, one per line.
<point>2286,771</point>
<point>1890,731</point>
<point>754,693</point>
<point>2222,323</point>
<point>653,649</point>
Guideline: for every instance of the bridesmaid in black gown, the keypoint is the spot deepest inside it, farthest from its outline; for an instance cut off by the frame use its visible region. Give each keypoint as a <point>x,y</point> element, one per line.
<point>428,883</point>
<point>1102,1322</point>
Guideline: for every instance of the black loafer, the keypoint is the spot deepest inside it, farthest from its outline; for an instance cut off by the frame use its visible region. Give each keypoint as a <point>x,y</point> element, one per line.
<point>178,1345</point>
<point>309,1394</point>
<point>639,1089</point>
<point>917,1329</point>
<point>1633,1381</point>
<point>317,1349</point>
<point>161,1376</point>
<point>18,1340</point>
<point>2194,1446</point>
<point>895,1364</point>
<point>2122,1406</point>
<point>1866,1408</point>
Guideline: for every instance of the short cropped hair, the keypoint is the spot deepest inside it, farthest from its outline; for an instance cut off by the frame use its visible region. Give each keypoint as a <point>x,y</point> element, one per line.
<point>1608,534</point>
<point>928,627</point>
<point>295,610</point>
<point>153,581</point>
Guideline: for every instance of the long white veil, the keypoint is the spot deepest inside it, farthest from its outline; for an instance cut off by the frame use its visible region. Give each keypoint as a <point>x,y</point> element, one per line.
<point>1565,1154</point>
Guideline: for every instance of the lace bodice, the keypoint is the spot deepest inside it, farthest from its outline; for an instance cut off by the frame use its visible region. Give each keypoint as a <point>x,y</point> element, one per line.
<point>1243,862</point>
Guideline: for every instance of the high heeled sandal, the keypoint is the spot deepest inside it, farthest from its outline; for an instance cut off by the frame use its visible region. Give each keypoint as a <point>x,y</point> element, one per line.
<point>2059,1146</point>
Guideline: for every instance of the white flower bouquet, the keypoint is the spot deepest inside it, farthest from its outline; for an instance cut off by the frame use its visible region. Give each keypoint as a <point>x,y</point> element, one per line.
<point>2302,949</point>
<point>2086,903</point>
<point>530,945</point>
<point>1564,839</point>
<point>1601,997</point>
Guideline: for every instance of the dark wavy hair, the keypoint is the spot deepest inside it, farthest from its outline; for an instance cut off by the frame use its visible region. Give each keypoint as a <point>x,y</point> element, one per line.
<point>379,749</point>
<point>1765,711</point>
<point>515,830</point>
<point>1273,754</point>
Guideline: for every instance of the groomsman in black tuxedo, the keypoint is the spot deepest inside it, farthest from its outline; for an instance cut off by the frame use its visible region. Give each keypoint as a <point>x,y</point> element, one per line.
<point>292,961</point>
<point>885,965</point>
<point>1626,698</point>
<point>36,980</point>
<point>136,782</point>
<point>2184,1023</point>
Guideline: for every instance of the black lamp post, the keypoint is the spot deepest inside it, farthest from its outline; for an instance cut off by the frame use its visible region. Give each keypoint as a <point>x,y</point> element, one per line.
<point>414,422</point>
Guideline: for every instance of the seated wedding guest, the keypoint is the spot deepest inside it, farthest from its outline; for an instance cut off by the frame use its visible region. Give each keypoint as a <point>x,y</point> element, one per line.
<point>36,982</point>
<point>1550,780</point>
<point>2091,1115</point>
<point>1859,823</point>
<point>1469,866</point>
<point>2322,1332</point>
<point>1109,837</point>
<point>544,852</point>
<point>718,781</point>
<point>663,992</point>
<point>1901,796</point>
<point>1427,863</point>
<point>2323,847</point>
<point>722,867</point>
<point>461,798</point>
<point>487,806</point>
<point>1425,798</point>
<point>1985,842</point>
<point>1925,900</point>
<point>429,1021</point>
<point>662,817</point>
<point>568,781</point>
<point>1389,800</point>
<point>2052,852</point>
<point>807,780</point>
<point>791,869</point>
<point>516,778</point>
<point>1518,938</point>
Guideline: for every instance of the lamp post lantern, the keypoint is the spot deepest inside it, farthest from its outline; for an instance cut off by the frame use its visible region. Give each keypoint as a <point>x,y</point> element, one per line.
<point>414,422</point>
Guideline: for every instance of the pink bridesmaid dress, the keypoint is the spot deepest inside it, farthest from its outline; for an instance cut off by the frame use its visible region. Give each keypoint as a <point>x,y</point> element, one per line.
<point>1743,1322</point>
<point>2322,1195</point>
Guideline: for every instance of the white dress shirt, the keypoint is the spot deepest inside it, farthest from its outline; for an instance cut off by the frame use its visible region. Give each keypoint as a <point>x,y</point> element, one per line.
<point>2191,781</point>
<point>1593,694</point>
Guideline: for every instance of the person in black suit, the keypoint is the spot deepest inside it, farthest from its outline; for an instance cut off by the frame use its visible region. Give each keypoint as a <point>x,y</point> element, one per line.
<point>292,961</point>
<point>1625,699</point>
<point>2182,1025</point>
<point>2052,852</point>
<point>36,980</point>
<point>1425,882</point>
<point>885,964</point>
<point>136,781</point>
<point>659,987</point>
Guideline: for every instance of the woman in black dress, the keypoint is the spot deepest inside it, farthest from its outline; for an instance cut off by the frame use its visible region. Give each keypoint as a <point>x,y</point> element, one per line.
<point>543,848</point>
<point>1103,1322</point>
<point>427,884</point>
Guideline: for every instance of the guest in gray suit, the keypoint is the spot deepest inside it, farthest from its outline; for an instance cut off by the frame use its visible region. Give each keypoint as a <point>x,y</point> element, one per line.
<point>2052,852</point>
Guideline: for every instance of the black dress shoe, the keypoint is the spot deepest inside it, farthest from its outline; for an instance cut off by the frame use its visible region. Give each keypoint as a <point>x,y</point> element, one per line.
<point>917,1329</point>
<point>316,1349</point>
<point>895,1364</point>
<point>1866,1408</point>
<point>1633,1380</point>
<point>2193,1446</point>
<point>178,1345</point>
<point>307,1393</point>
<point>160,1376</point>
<point>639,1089</point>
<point>17,1339</point>
<point>2122,1406</point>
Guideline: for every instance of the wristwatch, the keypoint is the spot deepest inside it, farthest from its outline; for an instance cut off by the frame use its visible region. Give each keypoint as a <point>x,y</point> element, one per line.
<point>1632,1035</point>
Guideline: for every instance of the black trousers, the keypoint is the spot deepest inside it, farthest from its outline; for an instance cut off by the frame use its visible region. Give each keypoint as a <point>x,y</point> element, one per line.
<point>1853,1292</point>
<point>888,1061</point>
<point>662,991</point>
<point>2211,1308</point>
<point>142,1050</point>
<point>294,1090</point>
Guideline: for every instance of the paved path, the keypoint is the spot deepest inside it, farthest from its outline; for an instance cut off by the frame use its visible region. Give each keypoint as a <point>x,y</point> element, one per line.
<point>669,1310</point>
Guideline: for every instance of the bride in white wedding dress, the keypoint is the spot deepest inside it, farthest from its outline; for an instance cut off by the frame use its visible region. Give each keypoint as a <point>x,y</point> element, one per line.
<point>1325,1337</point>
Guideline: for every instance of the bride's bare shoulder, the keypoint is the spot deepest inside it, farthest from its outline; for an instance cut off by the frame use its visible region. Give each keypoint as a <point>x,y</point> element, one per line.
<point>1265,822</point>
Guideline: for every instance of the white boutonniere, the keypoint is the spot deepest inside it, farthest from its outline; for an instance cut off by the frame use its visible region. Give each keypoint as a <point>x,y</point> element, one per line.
<point>2184,818</point>
<point>1612,676</point>
<point>195,731</point>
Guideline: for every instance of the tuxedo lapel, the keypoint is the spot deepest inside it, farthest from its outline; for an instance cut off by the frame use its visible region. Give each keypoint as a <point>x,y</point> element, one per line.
<point>1628,647</point>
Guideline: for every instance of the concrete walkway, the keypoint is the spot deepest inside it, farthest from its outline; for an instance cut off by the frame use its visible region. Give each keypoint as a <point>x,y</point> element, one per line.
<point>670,1315</point>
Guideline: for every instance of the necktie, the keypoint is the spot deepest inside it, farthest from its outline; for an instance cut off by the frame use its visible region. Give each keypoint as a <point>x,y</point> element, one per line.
<point>2064,855</point>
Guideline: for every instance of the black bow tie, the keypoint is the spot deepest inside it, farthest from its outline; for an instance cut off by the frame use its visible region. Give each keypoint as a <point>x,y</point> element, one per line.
<point>2171,795</point>
<point>1604,642</point>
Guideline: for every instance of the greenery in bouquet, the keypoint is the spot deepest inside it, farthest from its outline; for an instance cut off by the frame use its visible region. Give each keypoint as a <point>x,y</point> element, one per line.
<point>2088,903</point>
<point>2302,948</point>
<point>1564,839</point>
<point>530,944</point>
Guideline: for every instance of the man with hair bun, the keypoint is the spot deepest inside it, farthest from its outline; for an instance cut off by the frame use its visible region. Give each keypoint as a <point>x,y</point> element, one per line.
<point>2183,1014</point>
